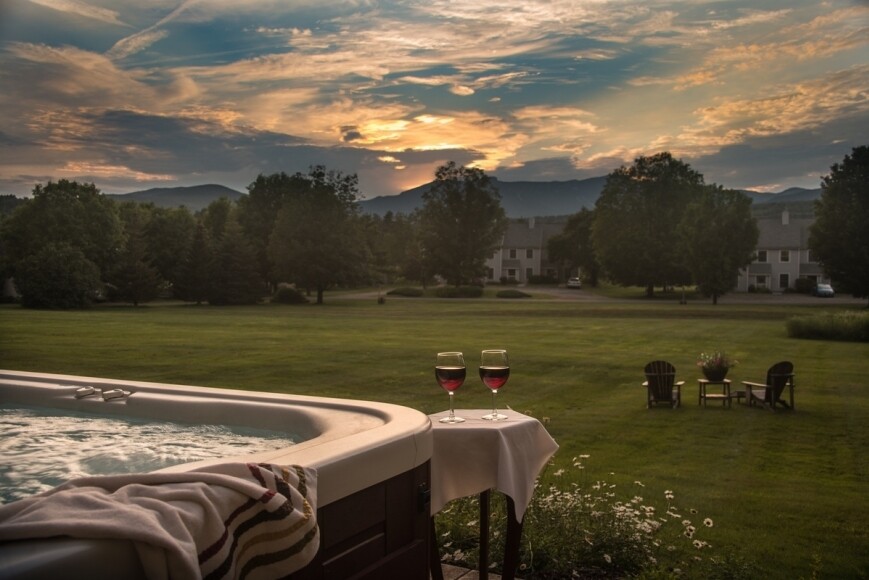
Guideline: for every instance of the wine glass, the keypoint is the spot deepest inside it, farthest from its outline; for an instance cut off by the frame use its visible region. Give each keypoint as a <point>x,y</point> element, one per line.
<point>494,372</point>
<point>450,374</point>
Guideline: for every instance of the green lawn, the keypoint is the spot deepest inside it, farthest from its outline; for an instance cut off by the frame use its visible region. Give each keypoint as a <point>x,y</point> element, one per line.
<point>788,490</point>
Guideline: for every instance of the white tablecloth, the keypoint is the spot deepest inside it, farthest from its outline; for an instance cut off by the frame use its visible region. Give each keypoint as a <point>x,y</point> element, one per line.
<point>469,458</point>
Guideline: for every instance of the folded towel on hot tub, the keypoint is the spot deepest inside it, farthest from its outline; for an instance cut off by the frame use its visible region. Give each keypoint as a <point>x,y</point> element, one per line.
<point>222,521</point>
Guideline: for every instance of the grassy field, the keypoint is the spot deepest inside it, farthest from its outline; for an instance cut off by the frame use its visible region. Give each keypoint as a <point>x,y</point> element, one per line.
<point>787,490</point>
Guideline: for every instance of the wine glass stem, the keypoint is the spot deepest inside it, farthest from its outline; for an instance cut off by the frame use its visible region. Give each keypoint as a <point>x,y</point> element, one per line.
<point>494,407</point>
<point>452,414</point>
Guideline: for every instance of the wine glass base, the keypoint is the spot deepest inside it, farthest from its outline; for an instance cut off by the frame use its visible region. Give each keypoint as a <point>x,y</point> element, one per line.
<point>452,420</point>
<point>495,417</point>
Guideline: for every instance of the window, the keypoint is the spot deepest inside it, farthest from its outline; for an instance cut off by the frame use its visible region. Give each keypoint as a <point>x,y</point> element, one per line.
<point>761,256</point>
<point>512,253</point>
<point>785,256</point>
<point>529,253</point>
<point>511,273</point>
<point>784,281</point>
<point>761,281</point>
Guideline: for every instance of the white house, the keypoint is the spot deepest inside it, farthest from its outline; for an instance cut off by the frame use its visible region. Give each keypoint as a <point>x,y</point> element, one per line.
<point>783,255</point>
<point>523,251</point>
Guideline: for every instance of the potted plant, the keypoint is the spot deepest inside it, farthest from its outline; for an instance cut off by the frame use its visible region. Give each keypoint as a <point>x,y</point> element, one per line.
<point>715,365</point>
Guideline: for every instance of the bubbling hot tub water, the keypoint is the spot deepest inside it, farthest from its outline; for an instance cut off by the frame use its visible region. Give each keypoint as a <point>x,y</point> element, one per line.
<point>43,447</point>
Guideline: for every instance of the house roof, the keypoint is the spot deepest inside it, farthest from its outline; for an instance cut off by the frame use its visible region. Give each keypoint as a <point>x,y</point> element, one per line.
<point>530,234</point>
<point>776,235</point>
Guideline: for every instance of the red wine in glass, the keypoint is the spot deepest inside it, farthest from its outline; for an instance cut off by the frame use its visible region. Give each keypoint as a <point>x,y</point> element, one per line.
<point>494,372</point>
<point>450,374</point>
<point>450,378</point>
<point>494,377</point>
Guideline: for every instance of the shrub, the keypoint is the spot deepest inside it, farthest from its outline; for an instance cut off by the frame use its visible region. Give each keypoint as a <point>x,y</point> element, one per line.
<point>288,295</point>
<point>459,292</point>
<point>505,281</point>
<point>850,326</point>
<point>512,293</point>
<point>406,291</point>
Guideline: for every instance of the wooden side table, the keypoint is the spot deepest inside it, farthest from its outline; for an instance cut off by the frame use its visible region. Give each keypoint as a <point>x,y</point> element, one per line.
<point>724,396</point>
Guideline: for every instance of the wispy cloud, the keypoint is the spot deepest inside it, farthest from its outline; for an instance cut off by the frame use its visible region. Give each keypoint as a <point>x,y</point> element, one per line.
<point>84,10</point>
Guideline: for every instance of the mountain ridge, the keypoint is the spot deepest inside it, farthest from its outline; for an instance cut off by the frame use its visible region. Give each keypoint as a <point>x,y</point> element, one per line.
<point>520,199</point>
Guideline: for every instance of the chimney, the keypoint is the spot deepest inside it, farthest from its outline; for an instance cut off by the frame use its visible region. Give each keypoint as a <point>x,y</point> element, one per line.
<point>785,217</point>
<point>531,223</point>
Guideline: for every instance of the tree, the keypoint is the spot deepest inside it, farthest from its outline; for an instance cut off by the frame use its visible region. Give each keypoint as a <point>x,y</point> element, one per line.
<point>317,240</point>
<point>462,223</point>
<point>194,281</point>
<point>258,210</point>
<point>235,277</point>
<point>133,276</point>
<point>168,235</point>
<point>839,238</point>
<point>573,246</point>
<point>718,236</point>
<point>65,212</point>
<point>637,213</point>
<point>57,275</point>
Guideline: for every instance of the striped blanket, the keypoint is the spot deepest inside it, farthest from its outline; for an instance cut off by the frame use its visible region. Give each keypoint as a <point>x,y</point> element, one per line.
<point>233,520</point>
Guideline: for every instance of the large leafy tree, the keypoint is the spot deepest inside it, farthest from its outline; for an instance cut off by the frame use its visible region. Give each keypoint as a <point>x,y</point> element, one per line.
<point>57,275</point>
<point>573,247</point>
<point>317,241</point>
<point>65,212</point>
<point>718,236</point>
<point>462,223</point>
<point>839,237</point>
<point>637,213</point>
<point>258,210</point>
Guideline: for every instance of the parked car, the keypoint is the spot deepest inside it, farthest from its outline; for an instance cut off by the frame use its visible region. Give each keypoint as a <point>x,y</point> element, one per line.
<point>824,290</point>
<point>574,283</point>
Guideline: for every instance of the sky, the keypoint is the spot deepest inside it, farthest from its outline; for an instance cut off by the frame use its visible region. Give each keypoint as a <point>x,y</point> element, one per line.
<point>132,94</point>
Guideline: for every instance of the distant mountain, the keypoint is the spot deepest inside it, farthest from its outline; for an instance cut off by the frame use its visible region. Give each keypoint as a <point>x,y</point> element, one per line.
<point>523,199</point>
<point>518,198</point>
<point>790,195</point>
<point>194,198</point>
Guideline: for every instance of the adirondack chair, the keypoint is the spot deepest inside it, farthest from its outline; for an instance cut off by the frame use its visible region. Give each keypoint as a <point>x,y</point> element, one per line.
<point>769,394</point>
<point>661,385</point>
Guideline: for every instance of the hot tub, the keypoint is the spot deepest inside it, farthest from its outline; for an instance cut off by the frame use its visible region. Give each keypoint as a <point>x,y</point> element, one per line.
<point>372,459</point>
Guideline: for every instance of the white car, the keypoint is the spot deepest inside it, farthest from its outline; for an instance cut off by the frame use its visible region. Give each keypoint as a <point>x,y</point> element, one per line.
<point>574,283</point>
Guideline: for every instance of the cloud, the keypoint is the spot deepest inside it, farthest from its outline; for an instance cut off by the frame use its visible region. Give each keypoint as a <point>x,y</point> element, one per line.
<point>83,9</point>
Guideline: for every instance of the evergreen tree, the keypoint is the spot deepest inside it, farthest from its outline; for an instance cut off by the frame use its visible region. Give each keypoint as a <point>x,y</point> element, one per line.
<point>194,281</point>
<point>133,276</point>
<point>235,277</point>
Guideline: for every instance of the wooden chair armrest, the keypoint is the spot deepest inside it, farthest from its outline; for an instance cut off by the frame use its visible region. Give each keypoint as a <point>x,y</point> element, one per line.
<point>679,383</point>
<point>645,383</point>
<point>758,385</point>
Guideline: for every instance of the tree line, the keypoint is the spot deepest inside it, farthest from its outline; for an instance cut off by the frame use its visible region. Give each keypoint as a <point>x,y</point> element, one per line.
<point>655,224</point>
<point>69,245</point>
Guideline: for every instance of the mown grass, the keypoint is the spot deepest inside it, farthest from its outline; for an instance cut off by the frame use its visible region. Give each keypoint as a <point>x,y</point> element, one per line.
<point>787,490</point>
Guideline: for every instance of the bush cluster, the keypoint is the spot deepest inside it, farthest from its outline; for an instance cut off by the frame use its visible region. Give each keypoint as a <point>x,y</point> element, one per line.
<point>505,281</point>
<point>289,295</point>
<point>542,279</point>
<point>459,292</point>
<point>848,326</point>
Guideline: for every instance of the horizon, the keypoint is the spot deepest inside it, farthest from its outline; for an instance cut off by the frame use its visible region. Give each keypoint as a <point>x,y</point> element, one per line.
<point>762,96</point>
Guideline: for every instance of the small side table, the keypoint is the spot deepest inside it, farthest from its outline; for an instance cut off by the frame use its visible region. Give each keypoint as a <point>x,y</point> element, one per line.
<point>477,456</point>
<point>724,396</point>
